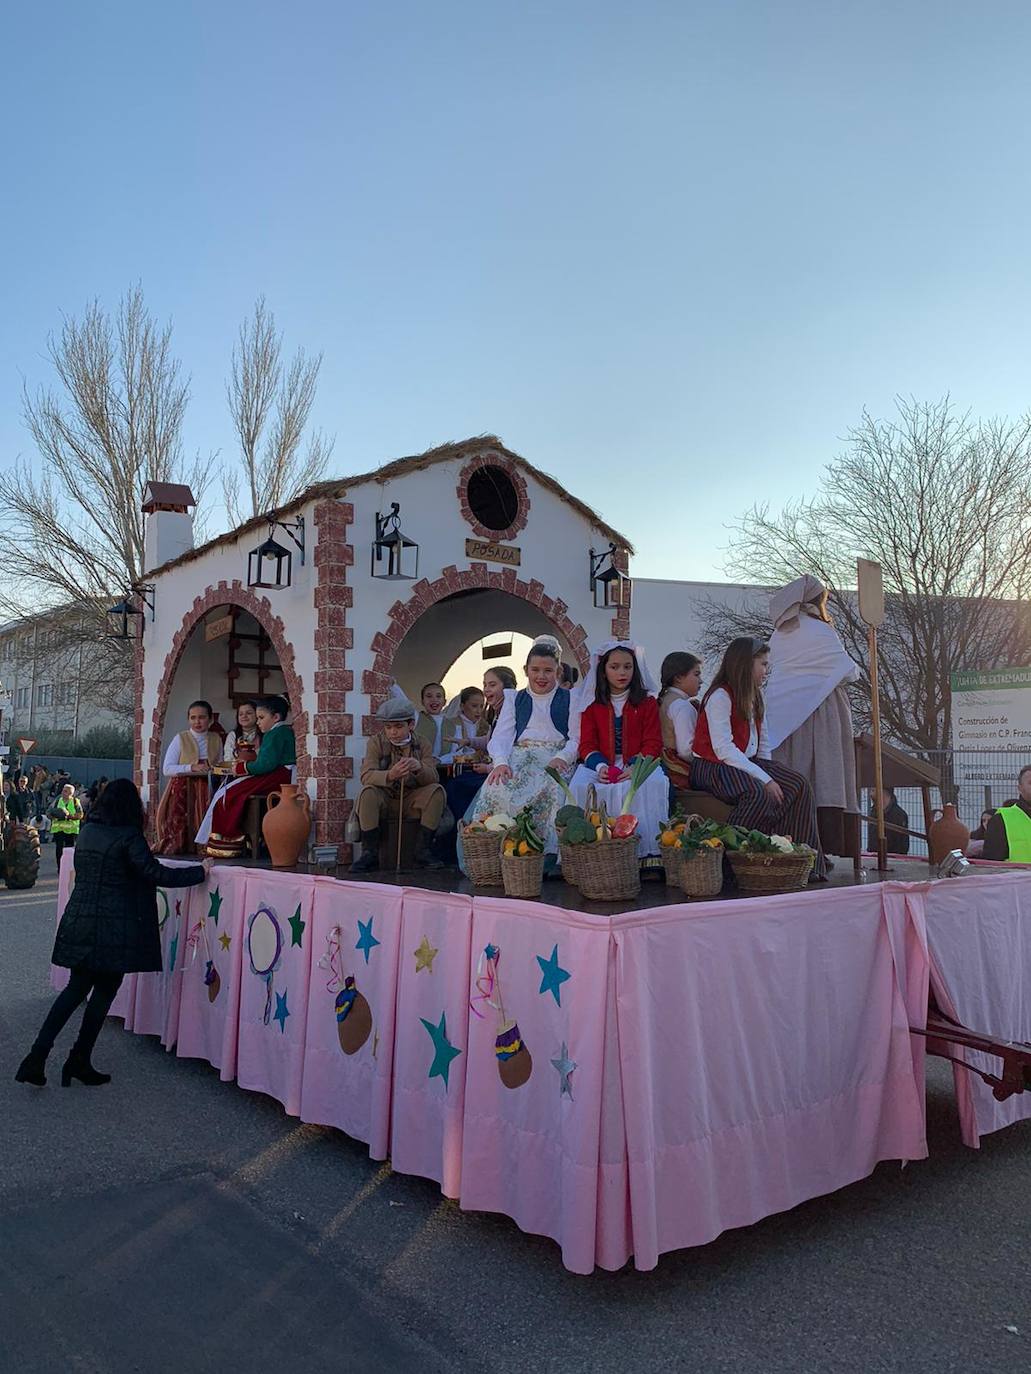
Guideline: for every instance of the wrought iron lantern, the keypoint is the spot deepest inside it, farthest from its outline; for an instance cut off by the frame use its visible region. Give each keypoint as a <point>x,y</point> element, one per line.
<point>125,618</point>
<point>394,549</point>
<point>607,583</point>
<point>270,565</point>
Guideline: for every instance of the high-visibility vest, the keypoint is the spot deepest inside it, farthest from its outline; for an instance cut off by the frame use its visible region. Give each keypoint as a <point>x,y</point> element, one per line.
<point>70,824</point>
<point>1018,833</point>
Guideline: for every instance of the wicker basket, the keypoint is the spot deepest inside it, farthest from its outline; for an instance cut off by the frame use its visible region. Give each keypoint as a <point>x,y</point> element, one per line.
<point>672,862</point>
<point>771,872</point>
<point>482,852</point>
<point>701,874</point>
<point>609,871</point>
<point>522,874</point>
<point>569,857</point>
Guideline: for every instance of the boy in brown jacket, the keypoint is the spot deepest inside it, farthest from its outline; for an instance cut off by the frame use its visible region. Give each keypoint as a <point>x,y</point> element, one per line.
<point>394,756</point>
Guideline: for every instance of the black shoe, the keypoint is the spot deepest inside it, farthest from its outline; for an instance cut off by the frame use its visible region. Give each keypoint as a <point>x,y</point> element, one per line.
<point>84,1071</point>
<point>368,860</point>
<point>424,855</point>
<point>30,1070</point>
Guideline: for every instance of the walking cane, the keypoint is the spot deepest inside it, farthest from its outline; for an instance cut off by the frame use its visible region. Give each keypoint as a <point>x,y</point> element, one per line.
<point>400,824</point>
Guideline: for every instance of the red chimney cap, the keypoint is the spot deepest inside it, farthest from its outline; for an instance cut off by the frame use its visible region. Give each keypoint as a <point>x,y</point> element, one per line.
<point>171,496</point>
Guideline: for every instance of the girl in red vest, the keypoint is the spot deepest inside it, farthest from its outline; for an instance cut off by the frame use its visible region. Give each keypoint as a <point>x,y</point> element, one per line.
<point>732,755</point>
<point>619,722</point>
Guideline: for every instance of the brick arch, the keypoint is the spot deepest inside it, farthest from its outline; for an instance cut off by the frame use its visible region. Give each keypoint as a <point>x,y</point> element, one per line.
<point>426,594</point>
<point>231,594</point>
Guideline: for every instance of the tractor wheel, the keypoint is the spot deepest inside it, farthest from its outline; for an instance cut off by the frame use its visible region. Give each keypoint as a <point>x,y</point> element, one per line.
<point>21,856</point>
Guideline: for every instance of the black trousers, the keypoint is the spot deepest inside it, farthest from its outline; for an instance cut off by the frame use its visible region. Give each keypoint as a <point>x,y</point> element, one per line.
<point>61,843</point>
<point>101,989</point>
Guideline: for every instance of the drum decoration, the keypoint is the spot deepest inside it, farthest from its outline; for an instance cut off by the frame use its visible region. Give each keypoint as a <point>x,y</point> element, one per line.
<point>352,1010</point>
<point>515,1063</point>
<point>265,950</point>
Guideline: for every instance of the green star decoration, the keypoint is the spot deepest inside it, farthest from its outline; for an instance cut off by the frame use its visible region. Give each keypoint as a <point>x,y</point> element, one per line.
<point>282,1011</point>
<point>366,939</point>
<point>173,951</point>
<point>552,976</point>
<point>443,1052</point>
<point>214,903</point>
<point>225,939</point>
<point>296,928</point>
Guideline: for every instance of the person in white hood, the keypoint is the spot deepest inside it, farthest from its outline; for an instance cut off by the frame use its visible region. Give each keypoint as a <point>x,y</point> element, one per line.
<point>808,716</point>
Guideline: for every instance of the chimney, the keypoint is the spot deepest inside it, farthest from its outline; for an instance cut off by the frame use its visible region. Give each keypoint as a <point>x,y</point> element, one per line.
<point>169,528</point>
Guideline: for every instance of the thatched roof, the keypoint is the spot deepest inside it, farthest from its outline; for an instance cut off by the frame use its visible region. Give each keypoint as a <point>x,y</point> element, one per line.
<point>445,453</point>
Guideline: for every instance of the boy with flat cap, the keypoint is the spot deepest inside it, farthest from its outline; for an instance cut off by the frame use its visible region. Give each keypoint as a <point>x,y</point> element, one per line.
<point>394,754</point>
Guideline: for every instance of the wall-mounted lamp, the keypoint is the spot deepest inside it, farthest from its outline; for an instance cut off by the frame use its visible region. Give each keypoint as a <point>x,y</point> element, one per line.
<point>125,618</point>
<point>607,583</point>
<point>400,553</point>
<point>270,564</point>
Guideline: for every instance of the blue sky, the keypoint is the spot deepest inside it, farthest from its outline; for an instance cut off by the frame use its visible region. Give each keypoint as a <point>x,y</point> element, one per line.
<point>667,251</point>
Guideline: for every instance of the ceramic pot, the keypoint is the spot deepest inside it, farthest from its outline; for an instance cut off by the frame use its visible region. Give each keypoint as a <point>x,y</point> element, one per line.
<point>947,833</point>
<point>286,825</point>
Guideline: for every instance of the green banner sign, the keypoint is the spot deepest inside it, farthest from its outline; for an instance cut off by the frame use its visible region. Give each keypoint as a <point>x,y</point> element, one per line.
<point>992,680</point>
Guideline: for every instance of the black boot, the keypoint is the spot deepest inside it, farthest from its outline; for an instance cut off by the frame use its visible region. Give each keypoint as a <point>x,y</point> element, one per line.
<point>424,855</point>
<point>78,1066</point>
<point>368,861</point>
<point>31,1069</point>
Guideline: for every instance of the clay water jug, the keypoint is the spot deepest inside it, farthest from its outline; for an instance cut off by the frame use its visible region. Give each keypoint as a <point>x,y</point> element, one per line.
<point>947,833</point>
<point>286,825</point>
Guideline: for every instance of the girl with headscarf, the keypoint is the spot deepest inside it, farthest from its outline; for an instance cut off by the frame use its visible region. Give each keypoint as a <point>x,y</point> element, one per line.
<point>808,717</point>
<point>619,723</point>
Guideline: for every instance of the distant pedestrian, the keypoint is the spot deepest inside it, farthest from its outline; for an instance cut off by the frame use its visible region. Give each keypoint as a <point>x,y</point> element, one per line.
<point>21,804</point>
<point>66,816</point>
<point>109,928</point>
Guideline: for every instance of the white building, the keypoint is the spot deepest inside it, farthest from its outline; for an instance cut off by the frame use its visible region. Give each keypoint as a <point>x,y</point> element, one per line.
<point>501,547</point>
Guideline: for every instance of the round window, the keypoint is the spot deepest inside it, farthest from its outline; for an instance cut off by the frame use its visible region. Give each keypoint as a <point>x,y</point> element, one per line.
<point>493,498</point>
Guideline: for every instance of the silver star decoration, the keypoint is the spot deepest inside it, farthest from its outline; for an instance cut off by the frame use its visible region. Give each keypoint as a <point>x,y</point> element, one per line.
<point>565,1067</point>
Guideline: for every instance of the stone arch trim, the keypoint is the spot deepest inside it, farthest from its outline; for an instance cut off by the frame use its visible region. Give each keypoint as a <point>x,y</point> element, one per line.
<point>233,594</point>
<point>491,458</point>
<point>425,594</point>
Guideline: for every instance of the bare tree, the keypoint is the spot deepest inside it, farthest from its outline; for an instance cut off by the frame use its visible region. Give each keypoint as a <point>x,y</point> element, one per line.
<point>72,524</point>
<point>943,503</point>
<point>270,407</point>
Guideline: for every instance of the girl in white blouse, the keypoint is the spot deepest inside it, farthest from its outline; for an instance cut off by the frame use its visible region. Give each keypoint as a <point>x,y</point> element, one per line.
<point>533,731</point>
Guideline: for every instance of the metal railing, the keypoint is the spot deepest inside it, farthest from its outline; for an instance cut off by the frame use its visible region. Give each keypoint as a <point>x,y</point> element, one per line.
<point>974,780</point>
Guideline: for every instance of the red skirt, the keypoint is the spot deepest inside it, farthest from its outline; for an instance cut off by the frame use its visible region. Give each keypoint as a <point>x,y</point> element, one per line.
<point>180,812</point>
<point>227,817</point>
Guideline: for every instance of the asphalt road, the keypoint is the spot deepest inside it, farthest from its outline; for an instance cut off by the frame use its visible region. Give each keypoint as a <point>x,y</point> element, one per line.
<point>173,1222</point>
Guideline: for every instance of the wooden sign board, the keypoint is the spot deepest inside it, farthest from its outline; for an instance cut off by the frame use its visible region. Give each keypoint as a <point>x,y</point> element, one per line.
<point>871,592</point>
<point>493,553</point>
<point>215,629</point>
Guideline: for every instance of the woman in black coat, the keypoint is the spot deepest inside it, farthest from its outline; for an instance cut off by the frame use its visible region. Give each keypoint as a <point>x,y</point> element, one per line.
<point>109,927</point>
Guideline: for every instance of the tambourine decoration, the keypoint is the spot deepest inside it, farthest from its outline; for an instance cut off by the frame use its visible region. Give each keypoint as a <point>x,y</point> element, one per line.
<point>265,950</point>
<point>352,1010</point>
<point>515,1063</point>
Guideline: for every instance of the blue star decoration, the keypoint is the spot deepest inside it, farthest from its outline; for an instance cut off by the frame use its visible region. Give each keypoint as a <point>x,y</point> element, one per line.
<point>443,1052</point>
<point>214,903</point>
<point>366,939</point>
<point>565,1067</point>
<point>552,976</point>
<point>297,929</point>
<point>282,1011</point>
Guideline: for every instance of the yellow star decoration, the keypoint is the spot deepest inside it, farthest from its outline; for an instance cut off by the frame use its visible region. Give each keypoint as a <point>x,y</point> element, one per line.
<point>225,939</point>
<point>424,956</point>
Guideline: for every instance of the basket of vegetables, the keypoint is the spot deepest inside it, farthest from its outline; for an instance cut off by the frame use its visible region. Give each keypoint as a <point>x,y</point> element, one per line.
<point>605,867</point>
<point>668,840</point>
<point>522,858</point>
<point>770,863</point>
<point>481,849</point>
<point>702,846</point>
